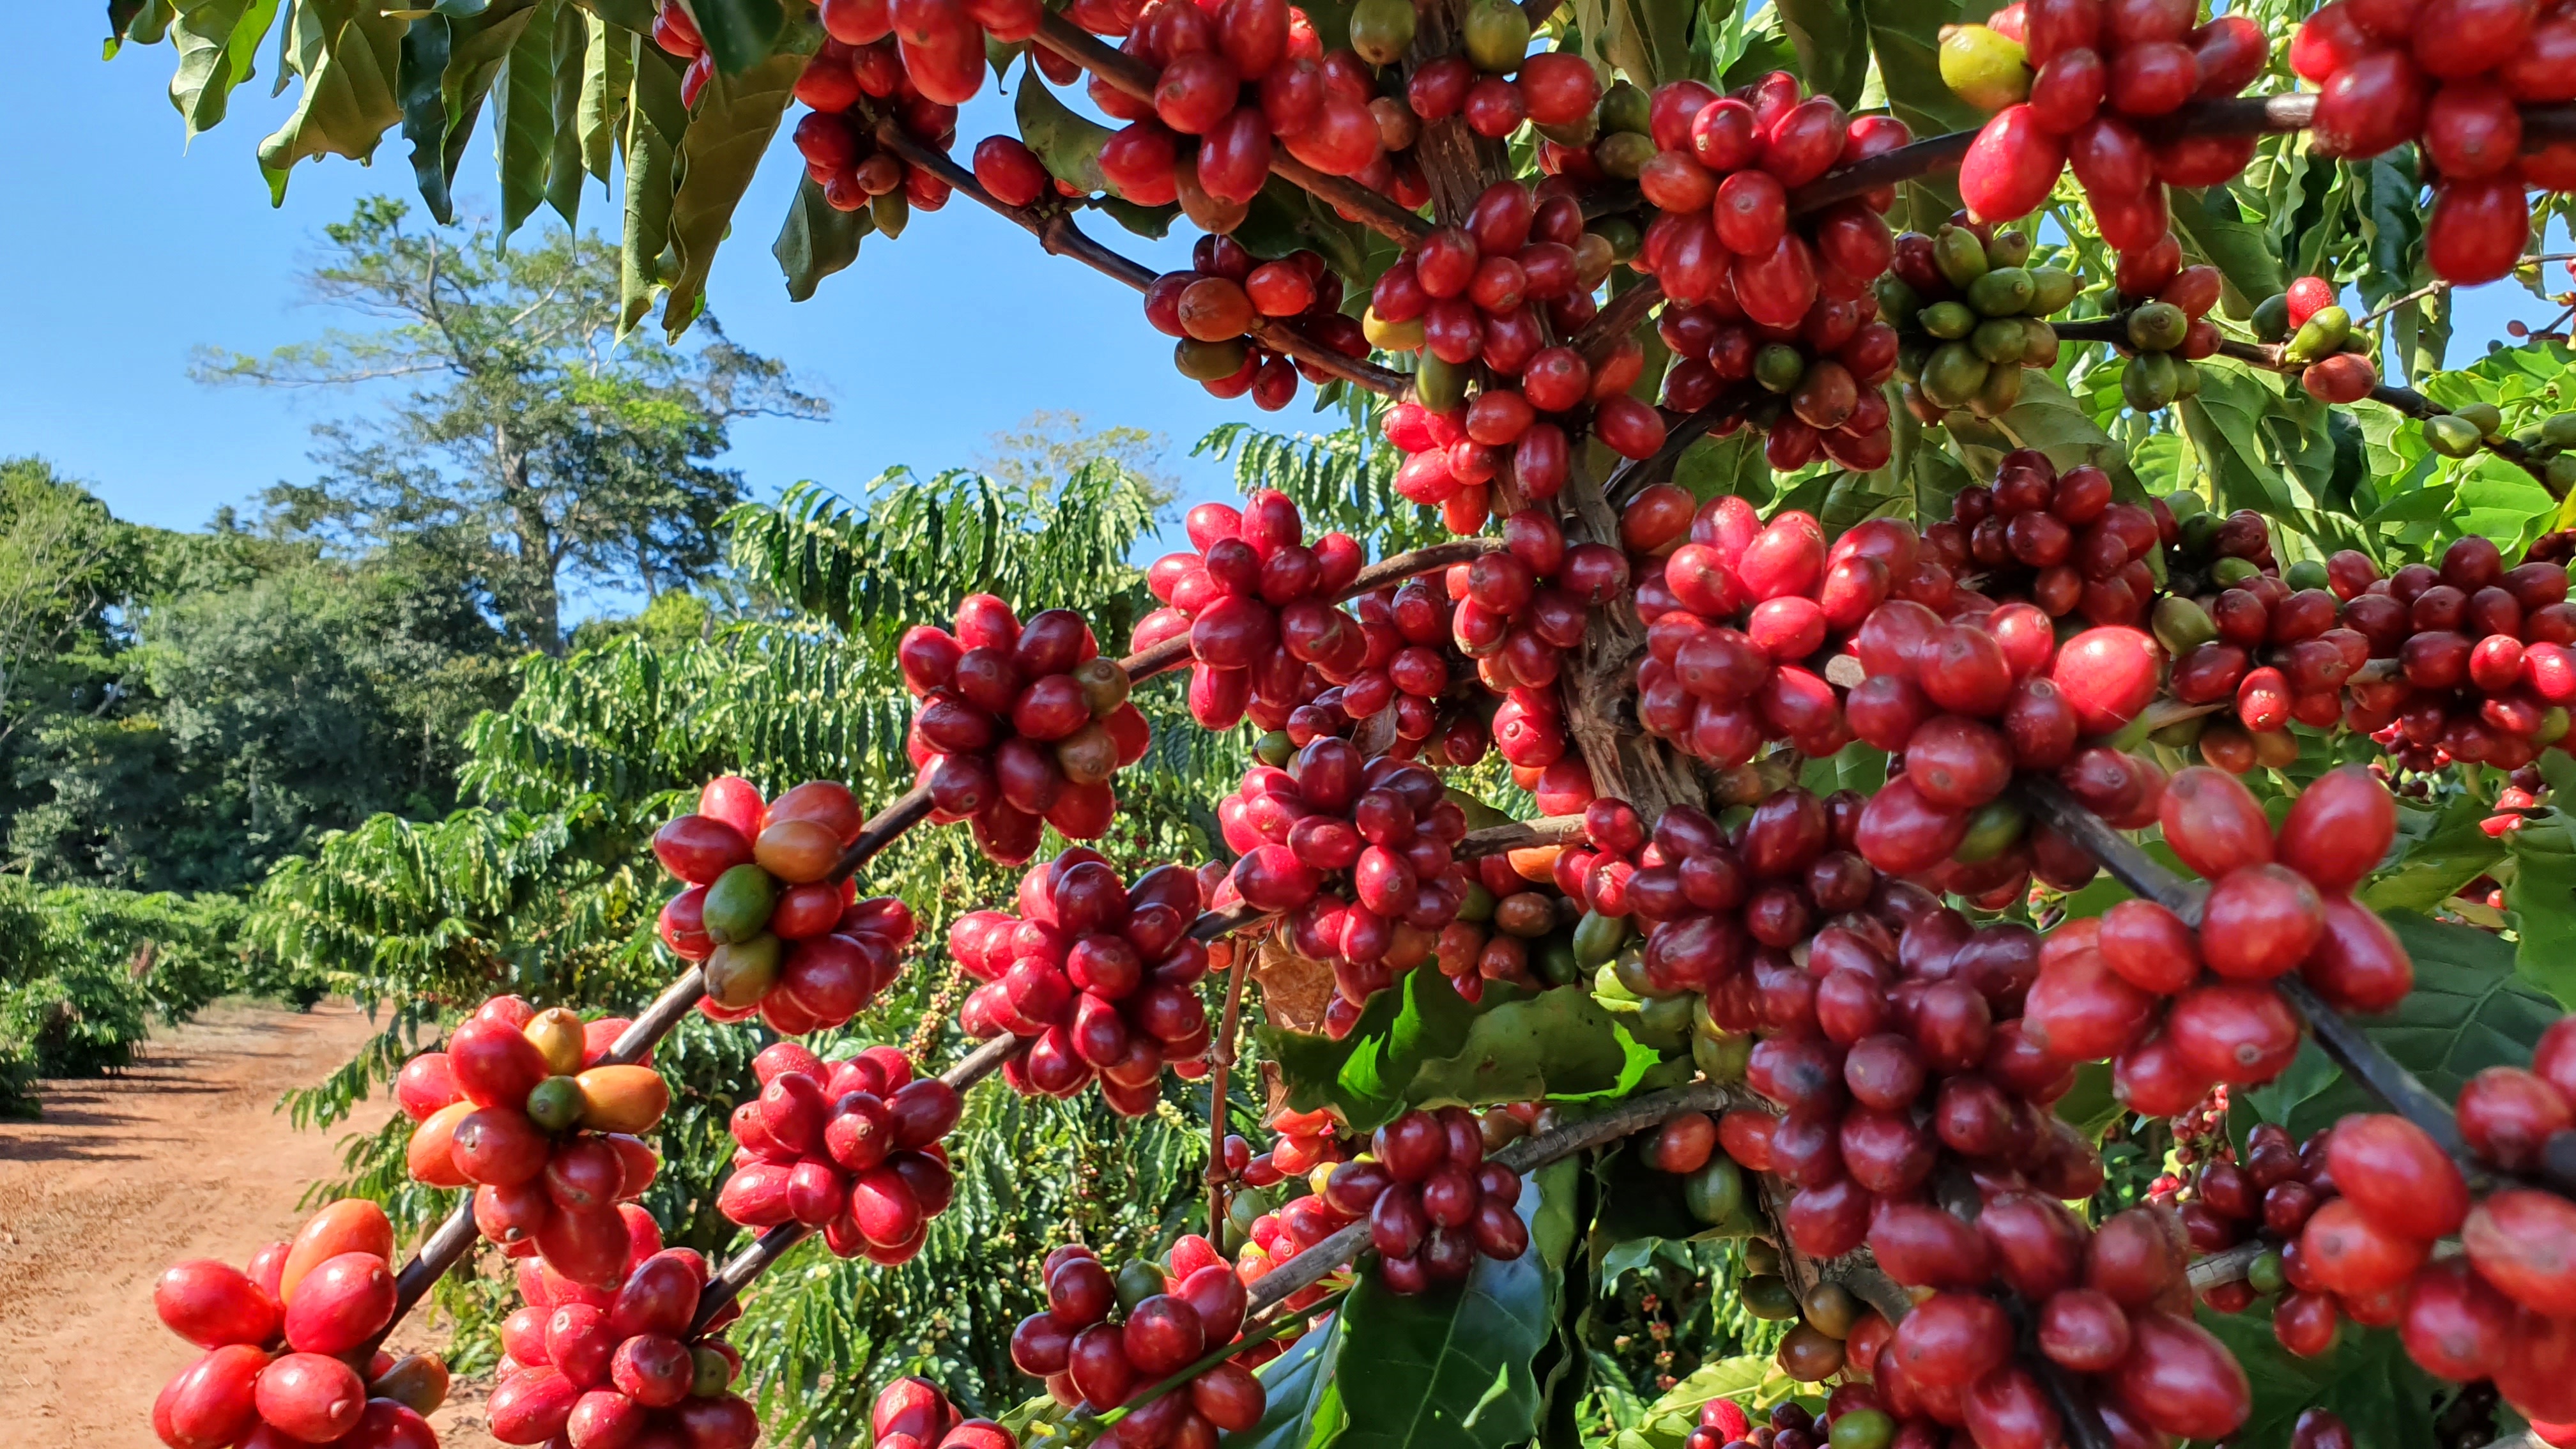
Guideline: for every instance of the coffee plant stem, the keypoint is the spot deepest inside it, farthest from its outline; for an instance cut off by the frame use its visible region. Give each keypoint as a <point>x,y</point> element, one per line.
<point>2227,1265</point>
<point>1221,1065</point>
<point>1137,79</point>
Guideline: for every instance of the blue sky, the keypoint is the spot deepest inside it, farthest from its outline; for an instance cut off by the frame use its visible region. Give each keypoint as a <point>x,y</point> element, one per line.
<point>131,247</point>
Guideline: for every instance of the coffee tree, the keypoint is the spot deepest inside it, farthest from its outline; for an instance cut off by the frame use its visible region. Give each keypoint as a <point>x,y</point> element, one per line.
<point>2030,763</point>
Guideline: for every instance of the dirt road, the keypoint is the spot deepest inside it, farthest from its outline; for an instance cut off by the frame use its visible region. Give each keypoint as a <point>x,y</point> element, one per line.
<point>182,1156</point>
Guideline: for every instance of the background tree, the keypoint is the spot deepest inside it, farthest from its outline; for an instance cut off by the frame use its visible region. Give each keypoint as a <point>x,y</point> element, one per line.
<point>65,563</point>
<point>534,450</point>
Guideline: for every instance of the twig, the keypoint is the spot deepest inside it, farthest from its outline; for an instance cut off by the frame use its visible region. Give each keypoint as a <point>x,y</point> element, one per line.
<point>2442,284</point>
<point>1219,1069</point>
<point>2227,1265</point>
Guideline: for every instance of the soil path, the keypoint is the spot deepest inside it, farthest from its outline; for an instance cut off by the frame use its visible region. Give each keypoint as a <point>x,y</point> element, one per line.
<point>181,1156</point>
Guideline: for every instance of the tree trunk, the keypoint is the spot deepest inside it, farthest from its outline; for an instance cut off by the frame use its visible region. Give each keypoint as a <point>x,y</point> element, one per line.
<point>536,542</point>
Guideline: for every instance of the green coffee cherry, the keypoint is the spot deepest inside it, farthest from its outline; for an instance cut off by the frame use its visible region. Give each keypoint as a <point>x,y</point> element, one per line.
<point>2307,573</point>
<point>2001,390</point>
<point>2272,317</point>
<point>2452,436</point>
<point>2000,340</point>
<point>2321,335</point>
<point>2486,417</point>
<point>2182,625</point>
<point>1624,107</point>
<point>1778,366</point>
<point>1959,255</point>
<point>2148,382</point>
<point>1623,154</point>
<point>2008,249</point>
<point>1984,67</point>
<point>2559,431</point>
<point>2227,573</point>
<point>2002,292</point>
<point>1897,303</point>
<point>2158,327</point>
<point>2051,289</point>
<point>2038,343</point>
<point>1440,385</point>
<point>1954,375</point>
<point>1948,319</point>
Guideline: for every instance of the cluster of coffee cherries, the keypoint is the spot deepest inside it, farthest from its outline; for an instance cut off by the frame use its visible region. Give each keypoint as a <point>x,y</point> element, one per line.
<point>1231,84</point>
<point>1493,82</point>
<point>2316,335</point>
<point>1432,1201</point>
<point>282,1341</point>
<point>1099,975</point>
<point>2450,77</point>
<point>850,1147</point>
<point>1739,611</point>
<point>2486,658</point>
<point>2178,1010</point>
<point>519,1107</point>
<point>1103,1338</point>
<point>1417,675</point>
<point>1019,726</point>
<point>2269,1196</point>
<point>1257,603</point>
<point>2110,1307</point>
<point>2081,84</point>
<point>2168,330</point>
<point>1785,303</point>
<point>912,1413</point>
<point>776,934</point>
<point>1493,291</point>
<point>1306,1141</point>
<point>1516,610</point>
<point>1965,704</point>
<point>1388,823</point>
<point>584,1365</point>
<point>937,48</point>
<point>1789,1424</point>
<point>1228,293</point>
<point>2551,443</point>
<point>675,30</point>
<point>1970,314</point>
<point>858,80</point>
<point>2054,539</point>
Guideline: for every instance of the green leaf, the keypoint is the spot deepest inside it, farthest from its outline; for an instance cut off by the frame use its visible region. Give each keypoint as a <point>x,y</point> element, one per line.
<point>2470,1010</point>
<point>564,153</point>
<point>2367,1379</point>
<point>1905,39</point>
<point>2541,897</point>
<point>1151,222</point>
<point>1069,144</point>
<point>737,114</point>
<point>217,41</point>
<point>349,55</point>
<point>741,34</point>
<point>1366,1073</point>
<point>655,124</point>
<point>424,107</point>
<point>1738,1378</point>
<point>1712,467</point>
<point>2437,852</point>
<point>1449,1368</point>
<point>1648,39</point>
<point>523,126</point>
<point>2050,419</point>
<point>1303,1385</point>
<point>818,239</point>
<point>2213,229</point>
<point>1833,47</point>
<point>1558,1043</point>
<point>2225,422</point>
<point>607,75</point>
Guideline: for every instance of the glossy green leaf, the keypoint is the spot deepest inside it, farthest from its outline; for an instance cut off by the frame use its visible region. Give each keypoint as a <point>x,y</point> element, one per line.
<point>2470,1010</point>
<point>2367,1381</point>
<point>741,34</point>
<point>736,116</point>
<point>1557,1043</point>
<point>1367,1073</point>
<point>655,125</point>
<point>1304,1404</point>
<point>571,59</point>
<point>2213,229</point>
<point>523,123</point>
<point>2225,422</point>
<point>817,240</point>
<point>1448,1368</point>
<point>348,54</point>
<point>2047,418</point>
<point>217,42</point>
<point>2541,897</point>
<point>1068,143</point>
<point>1833,46</point>
<point>1905,40</point>
<point>608,73</point>
<point>2438,850</point>
<point>1712,467</point>
<point>424,107</point>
